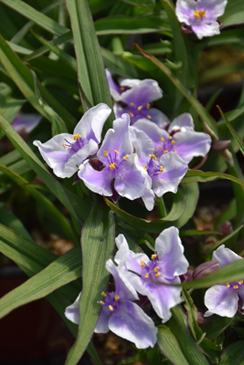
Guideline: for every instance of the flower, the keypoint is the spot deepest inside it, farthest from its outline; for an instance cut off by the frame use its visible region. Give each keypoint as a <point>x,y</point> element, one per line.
<point>65,152</point>
<point>119,314</point>
<point>149,277</point>
<point>121,171</point>
<point>26,122</point>
<point>179,138</point>
<point>165,172</point>
<point>223,299</point>
<point>201,15</point>
<point>135,97</point>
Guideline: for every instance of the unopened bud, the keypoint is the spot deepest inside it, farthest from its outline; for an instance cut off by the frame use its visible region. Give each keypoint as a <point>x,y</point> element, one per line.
<point>205,269</point>
<point>201,320</point>
<point>220,145</point>
<point>225,228</point>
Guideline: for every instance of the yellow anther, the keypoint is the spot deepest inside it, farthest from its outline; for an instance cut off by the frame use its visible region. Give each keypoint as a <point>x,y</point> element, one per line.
<point>116,152</point>
<point>76,136</point>
<point>199,13</point>
<point>101,302</point>
<point>154,256</point>
<point>170,137</point>
<point>235,286</point>
<point>126,157</point>
<point>149,117</point>
<point>157,275</point>
<point>147,275</point>
<point>104,294</point>
<point>156,269</point>
<point>143,264</point>
<point>175,151</point>
<point>162,139</point>
<point>148,106</point>
<point>161,168</point>
<point>111,308</point>
<point>116,297</point>
<point>166,151</point>
<point>132,104</point>
<point>112,166</point>
<point>160,147</point>
<point>70,148</point>
<point>228,285</point>
<point>122,88</point>
<point>139,108</point>
<point>132,115</point>
<point>240,282</point>
<point>63,145</point>
<point>173,142</point>
<point>105,153</point>
<point>145,167</point>
<point>153,157</point>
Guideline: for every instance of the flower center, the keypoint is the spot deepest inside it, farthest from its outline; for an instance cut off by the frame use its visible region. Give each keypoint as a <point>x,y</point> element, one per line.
<point>138,111</point>
<point>153,168</point>
<point>111,300</point>
<point>165,146</point>
<point>74,147</point>
<point>234,285</point>
<point>151,269</point>
<point>199,14</point>
<point>114,160</point>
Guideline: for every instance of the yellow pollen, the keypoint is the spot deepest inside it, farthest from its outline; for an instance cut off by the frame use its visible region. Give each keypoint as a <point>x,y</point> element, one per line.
<point>76,136</point>
<point>166,151</point>
<point>160,147</point>
<point>101,302</point>
<point>70,148</point>
<point>116,152</point>
<point>143,264</point>
<point>153,157</point>
<point>240,282</point>
<point>139,108</point>
<point>111,308</point>
<point>147,275</point>
<point>112,166</point>
<point>157,275</point>
<point>156,269</point>
<point>148,106</point>
<point>132,104</point>
<point>162,139</point>
<point>175,151</point>
<point>228,285</point>
<point>126,157</point>
<point>149,117</point>
<point>170,137</point>
<point>200,13</point>
<point>63,145</point>
<point>161,168</point>
<point>122,88</point>
<point>105,153</point>
<point>235,286</point>
<point>154,256</point>
<point>145,167</point>
<point>132,115</point>
<point>104,294</point>
<point>173,142</point>
<point>116,297</point>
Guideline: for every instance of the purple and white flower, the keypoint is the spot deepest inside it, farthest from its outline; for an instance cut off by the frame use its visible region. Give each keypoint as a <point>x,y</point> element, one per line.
<point>119,314</point>
<point>149,277</point>
<point>165,172</point>
<point>26,122</point>
<point>134,97</point>
<point>65,152</point>
<point>121,173</point>
<point>223,299</point>
<point>200,15</point>
<point>179,137</point>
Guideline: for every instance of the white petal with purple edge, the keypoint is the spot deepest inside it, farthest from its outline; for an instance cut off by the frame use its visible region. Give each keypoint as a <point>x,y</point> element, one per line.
<point>184,10</point>
<point>132,324</point>
<point>225,256</point>
<point>142,93</point>
<point>72,311</point>
<point>180,122</point>
<point>205,30</point>
<point>221,300</point>
<point>149,199</point>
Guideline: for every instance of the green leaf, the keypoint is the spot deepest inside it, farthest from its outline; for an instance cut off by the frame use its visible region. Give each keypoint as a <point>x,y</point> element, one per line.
<point>97,242</point>
<point>151,22</point>
<point>234,13</point>
<point>225,240</point>
<point>8,219</point>
<point>218,326</point>
<point>91,73</point>
<point>233,354</point>
<point>201,176</point>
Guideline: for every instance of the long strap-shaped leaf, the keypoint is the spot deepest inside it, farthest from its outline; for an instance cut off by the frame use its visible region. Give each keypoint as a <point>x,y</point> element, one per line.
<point>97,242</point>
<point>91,73</point>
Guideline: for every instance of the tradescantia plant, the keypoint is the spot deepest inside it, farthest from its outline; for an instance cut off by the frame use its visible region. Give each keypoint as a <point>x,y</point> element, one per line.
<point>103,127</point>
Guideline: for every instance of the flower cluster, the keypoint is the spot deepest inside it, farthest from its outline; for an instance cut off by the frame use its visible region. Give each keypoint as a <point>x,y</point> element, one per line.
<point>136,273</point>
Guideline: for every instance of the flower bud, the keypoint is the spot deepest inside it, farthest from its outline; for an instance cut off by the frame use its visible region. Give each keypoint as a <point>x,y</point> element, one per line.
<point>201,320</point>
<point>225,228</point>
<point>205,269</point>
<point>220,145</point>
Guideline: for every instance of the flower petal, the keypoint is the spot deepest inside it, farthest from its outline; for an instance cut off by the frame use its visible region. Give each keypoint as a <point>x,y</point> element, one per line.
<point>221,300</point>
<point>142,93</point>
<point>28,122</point>
<point>182,121</point>
<point>185,10</point>
<point>149,199</point>
<point>102,322</point>
<point>72,311</point>
<point>202,29</point>
<point>225,256</point>
<point>170,253</point>
<point>114,88</point>
<point>131,323</point>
